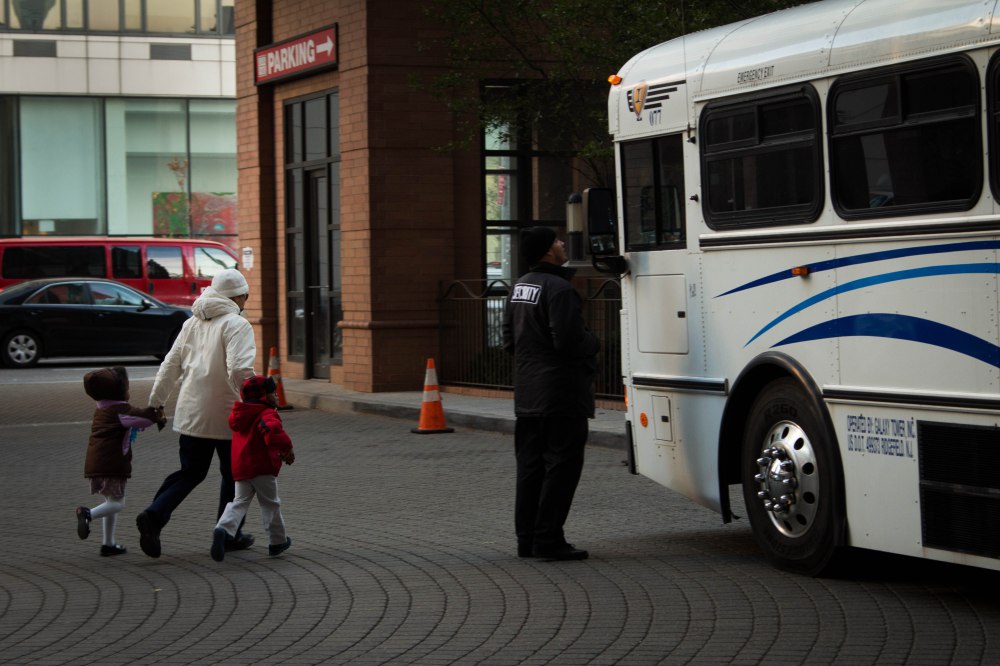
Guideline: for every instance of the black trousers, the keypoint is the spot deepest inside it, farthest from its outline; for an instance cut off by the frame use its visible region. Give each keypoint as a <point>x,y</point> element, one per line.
<point>196,455</point>
<point>549,451</point>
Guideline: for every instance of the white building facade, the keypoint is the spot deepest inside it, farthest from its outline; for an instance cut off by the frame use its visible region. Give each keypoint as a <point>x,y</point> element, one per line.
<point>118,118</point>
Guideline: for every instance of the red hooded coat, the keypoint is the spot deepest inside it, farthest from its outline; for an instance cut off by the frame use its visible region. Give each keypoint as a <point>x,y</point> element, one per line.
<point>259,439</point>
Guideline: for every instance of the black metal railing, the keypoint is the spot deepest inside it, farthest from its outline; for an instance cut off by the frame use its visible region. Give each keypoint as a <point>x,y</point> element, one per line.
<point>472,341</point>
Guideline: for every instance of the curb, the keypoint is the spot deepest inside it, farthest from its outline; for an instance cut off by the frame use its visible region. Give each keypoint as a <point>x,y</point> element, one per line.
<point>456,417</point>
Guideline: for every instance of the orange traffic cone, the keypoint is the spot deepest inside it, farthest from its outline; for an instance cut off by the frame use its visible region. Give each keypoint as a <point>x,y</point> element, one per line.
<point>274,372</point>
<point>431,411</point>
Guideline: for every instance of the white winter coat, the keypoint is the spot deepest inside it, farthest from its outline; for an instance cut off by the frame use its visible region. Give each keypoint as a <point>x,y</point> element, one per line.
<point>210,359</point>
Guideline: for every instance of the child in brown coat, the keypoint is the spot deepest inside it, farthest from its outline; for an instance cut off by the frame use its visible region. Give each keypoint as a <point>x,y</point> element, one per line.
<point>109,451</point>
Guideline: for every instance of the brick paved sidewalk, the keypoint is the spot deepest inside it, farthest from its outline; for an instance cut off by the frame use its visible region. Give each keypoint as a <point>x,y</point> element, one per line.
<point>403,553</point>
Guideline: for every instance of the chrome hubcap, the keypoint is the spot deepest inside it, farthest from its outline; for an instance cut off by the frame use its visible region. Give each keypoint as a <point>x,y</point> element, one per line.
<point>22,349</point>
<point>787,478</point>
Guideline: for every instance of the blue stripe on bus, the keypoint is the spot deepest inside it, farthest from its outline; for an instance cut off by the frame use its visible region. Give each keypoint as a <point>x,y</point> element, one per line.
<point>867,258</point>
<point>901,327</point>
<point>909,274</point>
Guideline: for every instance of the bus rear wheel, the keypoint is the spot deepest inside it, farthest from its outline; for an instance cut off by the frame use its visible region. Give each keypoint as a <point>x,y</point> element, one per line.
<point>791,480</point>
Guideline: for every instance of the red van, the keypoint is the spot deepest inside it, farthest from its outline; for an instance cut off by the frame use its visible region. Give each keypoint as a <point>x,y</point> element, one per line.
<point>174,270</point>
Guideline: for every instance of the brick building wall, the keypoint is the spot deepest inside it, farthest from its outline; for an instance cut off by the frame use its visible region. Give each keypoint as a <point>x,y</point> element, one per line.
<point>400,199</point>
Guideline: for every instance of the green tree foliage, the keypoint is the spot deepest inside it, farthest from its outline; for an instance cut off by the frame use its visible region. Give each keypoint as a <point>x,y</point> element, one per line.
<point>554,57</point>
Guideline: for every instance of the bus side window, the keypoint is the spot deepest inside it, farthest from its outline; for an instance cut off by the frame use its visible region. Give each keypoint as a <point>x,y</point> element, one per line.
<point>762,159</point>
<point>901,137</point>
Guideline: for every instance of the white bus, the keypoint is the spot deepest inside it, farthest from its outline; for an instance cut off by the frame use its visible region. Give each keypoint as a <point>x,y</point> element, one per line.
<point>807,227</point>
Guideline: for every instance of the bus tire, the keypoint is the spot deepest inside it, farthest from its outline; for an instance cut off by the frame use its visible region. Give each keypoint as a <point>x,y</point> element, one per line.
<point>791,480</point>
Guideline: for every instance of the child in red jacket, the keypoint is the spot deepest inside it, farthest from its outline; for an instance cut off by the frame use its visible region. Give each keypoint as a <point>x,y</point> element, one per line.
<point>260,445</point>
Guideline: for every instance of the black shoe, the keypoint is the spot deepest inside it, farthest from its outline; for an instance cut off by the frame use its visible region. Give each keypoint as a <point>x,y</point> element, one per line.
<point>149,534</point>
<point>82,522</point>
<point>219,537</point>
<point>108,551</point>
<point>564,551</point>
<point>275,550</point>
<point>525,550</point>
<point>241,542</point>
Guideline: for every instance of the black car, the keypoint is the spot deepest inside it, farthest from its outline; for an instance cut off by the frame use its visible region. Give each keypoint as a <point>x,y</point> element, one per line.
<point>83,317</point>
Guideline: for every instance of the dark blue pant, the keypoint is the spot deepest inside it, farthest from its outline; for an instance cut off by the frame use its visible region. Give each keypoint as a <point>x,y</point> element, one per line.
<point>196,458</point>
<point>549,451</point>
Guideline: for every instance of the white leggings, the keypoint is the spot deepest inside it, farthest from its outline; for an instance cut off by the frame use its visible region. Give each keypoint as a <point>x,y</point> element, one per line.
<point>109,512</point>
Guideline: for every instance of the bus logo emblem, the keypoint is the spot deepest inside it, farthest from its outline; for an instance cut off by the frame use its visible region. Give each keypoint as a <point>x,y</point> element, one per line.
<point>637,99</point>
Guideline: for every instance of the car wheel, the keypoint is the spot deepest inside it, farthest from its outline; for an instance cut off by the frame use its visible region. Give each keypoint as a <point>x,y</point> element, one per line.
<point>21,349</point>
<point>792,480</point>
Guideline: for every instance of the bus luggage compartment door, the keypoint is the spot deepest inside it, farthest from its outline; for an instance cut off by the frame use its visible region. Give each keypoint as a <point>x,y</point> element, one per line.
<point>661,314</point>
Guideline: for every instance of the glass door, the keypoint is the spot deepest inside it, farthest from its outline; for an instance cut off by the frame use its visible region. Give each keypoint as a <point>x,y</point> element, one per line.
<point>319,311</point>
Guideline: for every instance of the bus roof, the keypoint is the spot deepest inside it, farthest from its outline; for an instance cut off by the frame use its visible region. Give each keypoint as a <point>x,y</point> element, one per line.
<point>798,44</point>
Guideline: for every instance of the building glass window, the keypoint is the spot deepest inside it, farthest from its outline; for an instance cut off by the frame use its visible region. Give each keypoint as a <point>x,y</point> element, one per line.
<point>501,175</point>
<point>34,16</point>
<point>102,15</point>
<point>61,166</point>
<point>213,170</point>
<point>527,180</point>
<point>500,203</point>
<point>8,132</point>
<point>132,21</point>
<point>118,166</point>
<point>205,17</point>
<point>171,166</point>
<point>169,16</point>
<point>75,19</point>
<point>147,167</point>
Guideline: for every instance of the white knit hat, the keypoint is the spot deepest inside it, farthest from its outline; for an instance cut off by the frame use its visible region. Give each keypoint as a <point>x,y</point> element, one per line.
<point>230,283</point>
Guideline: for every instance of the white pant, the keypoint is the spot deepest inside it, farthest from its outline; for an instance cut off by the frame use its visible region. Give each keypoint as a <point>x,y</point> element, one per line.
<point>265,487</point>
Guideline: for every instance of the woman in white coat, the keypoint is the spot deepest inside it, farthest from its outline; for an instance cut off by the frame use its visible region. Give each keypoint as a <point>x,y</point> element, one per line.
<point>209,361</point>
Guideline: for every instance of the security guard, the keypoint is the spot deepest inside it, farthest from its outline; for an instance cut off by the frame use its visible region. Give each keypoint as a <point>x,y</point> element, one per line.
<point>555,360</point>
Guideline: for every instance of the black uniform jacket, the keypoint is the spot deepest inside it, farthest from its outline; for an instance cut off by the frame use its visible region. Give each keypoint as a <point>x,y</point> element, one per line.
<point>555,354</point>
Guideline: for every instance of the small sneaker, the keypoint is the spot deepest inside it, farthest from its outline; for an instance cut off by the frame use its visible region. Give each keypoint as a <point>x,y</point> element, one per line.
<point>149,534</point>
<point>108,551</point>
<point>82,522</point>
<point>240,542</point>
<point>525,549</point>
<point>219,544</point>
<point>277,549</point>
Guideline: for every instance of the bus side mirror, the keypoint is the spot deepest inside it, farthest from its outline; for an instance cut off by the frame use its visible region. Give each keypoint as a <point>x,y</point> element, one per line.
<point>602,229</point>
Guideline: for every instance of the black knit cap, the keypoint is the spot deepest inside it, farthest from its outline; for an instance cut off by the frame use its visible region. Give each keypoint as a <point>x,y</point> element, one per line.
<point>257,388</point>
<point>535,243</point>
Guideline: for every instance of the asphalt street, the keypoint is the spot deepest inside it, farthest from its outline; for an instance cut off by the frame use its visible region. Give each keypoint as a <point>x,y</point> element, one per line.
<point>403,553</point>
